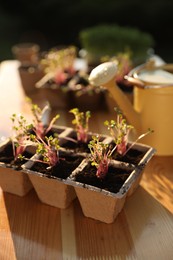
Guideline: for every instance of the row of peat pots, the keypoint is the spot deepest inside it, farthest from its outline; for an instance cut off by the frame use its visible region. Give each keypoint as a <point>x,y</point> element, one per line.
<point>74,176</point>
<point>76,92</point>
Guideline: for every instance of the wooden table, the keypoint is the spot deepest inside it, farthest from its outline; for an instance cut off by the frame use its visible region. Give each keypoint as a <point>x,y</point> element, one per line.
<point>30,229</point>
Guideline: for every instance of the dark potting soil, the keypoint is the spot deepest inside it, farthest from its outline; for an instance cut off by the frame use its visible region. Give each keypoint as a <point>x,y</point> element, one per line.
<point>113,181</point>
<point>132,156</point>
<point>62,169</point>
<point>77,146</point>
<point>6,156</point>
<point>54,132</point>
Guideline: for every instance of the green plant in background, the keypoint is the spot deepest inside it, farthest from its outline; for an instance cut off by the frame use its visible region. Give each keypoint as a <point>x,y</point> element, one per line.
<point>124,65</point>
<point>108,40</point>
<point>58,63</point>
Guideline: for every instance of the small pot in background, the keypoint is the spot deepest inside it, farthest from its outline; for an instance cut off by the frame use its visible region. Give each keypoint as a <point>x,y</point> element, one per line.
<point>29,75</point>
<point>88,101</point>
<point>26,52</point>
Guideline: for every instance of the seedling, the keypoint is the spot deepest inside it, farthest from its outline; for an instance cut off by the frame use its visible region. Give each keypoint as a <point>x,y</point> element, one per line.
<point>48,149</point>
<point>81,122</point>
<point>58,65</point>
<point>120,131</point>
<point>100,156</point>
<point>41,123</point>
<point>21,138</point>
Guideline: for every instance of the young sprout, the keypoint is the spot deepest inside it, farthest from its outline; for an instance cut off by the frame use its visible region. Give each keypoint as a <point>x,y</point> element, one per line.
<point>100,156</point>
<point>120,130</point>
<point>41,123</point>
<point>21,138</point>
<point>81,121</point>
<point>48,149</point>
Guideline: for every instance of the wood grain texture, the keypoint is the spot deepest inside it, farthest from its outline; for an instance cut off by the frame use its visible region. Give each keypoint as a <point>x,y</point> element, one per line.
<point>158,180</point>
<point>30,229</point>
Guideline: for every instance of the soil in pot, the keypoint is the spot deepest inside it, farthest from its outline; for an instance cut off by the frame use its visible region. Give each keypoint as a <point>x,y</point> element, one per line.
<point>133,156</point>
<point>12,177</point>
<point>83,95</point>
<point>103,199</point>
<point>7,157</point>
<point>75,145</point>
<point>55,131</point>
<point>62,169</point>
<point>113,181</point>
<point>49,183</point>
<point>78,147</point>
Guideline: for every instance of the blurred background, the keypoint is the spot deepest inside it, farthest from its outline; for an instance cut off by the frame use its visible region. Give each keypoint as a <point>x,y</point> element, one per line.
<point>58,22</point>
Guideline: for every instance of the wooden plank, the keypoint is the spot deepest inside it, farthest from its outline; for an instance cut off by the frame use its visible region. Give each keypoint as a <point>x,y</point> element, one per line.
<point>68,233</point>
<point>34,227</point>
<point>150,226</point>
<point>158,180</point>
